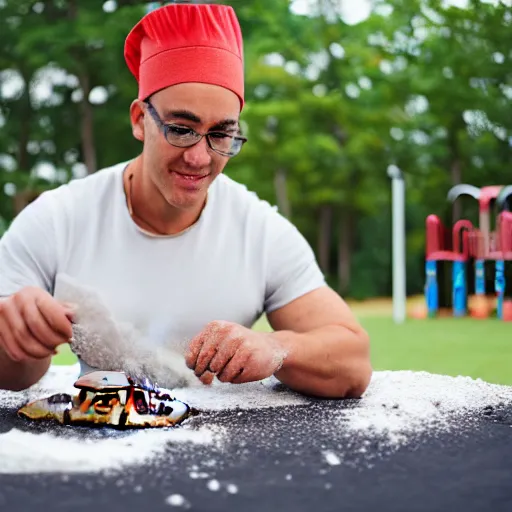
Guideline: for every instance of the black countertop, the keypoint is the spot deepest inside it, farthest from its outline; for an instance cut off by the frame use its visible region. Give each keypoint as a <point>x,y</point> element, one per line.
<point>274,460</point>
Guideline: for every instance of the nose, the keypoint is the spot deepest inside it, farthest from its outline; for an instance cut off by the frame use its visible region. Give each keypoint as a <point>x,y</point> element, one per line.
<point>198,156</point>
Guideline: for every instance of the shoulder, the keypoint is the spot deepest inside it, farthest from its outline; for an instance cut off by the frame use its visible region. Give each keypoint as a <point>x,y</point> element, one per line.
<point>236,197</point>
<point>101,181</point>
<point>69,197</point>
<point>244,211</point>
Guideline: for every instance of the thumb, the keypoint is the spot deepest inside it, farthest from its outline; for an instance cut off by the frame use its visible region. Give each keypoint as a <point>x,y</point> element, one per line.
<point>70,310</point>
<point>207,378</point>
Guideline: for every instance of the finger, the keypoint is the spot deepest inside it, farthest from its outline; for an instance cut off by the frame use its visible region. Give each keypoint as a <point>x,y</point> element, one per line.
<point>224,354</point>
<point>243,377</point>
<point>69,310</point>
<point>55,314</point>
<point>234,368</point>
<point>23,339</point>
<point>207,378</point>
<point>40,329</point>
<point>193,350</point>
<point>8,343</point>
<point>208,350</point>
<point>211,331</point>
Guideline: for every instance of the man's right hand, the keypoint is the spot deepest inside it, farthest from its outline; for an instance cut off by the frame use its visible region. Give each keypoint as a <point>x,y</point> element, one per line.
<point>33,324</point>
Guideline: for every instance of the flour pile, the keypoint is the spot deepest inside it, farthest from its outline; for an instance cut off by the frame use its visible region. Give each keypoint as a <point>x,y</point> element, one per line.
<point>401,405</point>
<point>24,452</point>
<point>105,344</point>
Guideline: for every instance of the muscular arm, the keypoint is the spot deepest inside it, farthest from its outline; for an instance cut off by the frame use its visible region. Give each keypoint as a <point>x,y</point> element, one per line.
<point>18,376</point>
<point>328,352</point>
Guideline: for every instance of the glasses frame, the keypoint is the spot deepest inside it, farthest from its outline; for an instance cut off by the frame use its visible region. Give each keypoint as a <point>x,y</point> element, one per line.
<point>165,127</point>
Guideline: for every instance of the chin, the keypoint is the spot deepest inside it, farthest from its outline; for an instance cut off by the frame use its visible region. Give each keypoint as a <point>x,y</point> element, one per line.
<point>187,203</point>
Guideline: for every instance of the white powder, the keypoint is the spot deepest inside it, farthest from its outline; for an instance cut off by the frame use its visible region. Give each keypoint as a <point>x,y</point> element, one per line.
<point>25,452</point>
<point>331,458</point>
<point>104,343</point>
<point>177,500</point>
<point>397,407</point>
<point>29,452</point>
<point>231,488</point>
<point>195,475</point>
<point>58,379</point>
<point>213,485</point>
<point>216,397</point>
<point>252,395</point>
<point>400,405</point>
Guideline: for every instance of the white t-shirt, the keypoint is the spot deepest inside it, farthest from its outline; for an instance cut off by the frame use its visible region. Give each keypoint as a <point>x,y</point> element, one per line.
<point>241,258</point>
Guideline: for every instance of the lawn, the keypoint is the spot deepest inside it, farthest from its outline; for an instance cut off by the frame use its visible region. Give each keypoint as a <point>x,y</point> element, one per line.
<point>450,346</point>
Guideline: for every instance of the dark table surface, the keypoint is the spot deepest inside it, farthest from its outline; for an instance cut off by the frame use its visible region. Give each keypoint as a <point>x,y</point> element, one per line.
<point>276,459</point>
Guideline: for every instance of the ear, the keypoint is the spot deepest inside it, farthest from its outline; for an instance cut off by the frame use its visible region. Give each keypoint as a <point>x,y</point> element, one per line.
<point>137,120</point>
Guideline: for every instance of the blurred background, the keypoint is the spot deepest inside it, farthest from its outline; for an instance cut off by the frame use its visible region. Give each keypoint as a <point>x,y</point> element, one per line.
<point>337,92</point>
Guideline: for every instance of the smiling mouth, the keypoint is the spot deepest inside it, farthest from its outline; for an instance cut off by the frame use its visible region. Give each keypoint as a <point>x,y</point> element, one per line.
<point>190,177</point>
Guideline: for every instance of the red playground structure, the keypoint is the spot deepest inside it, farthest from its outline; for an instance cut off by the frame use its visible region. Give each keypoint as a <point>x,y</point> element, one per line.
<point>466,244</point>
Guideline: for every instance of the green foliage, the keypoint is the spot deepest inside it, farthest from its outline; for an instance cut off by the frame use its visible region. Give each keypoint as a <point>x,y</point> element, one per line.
<point>418,84</point>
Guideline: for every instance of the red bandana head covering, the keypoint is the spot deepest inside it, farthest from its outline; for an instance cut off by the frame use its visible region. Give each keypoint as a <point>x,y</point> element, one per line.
<point>181,43</point>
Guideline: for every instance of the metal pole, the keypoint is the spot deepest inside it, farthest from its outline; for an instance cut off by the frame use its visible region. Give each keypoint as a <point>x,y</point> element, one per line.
<point>398,209</point>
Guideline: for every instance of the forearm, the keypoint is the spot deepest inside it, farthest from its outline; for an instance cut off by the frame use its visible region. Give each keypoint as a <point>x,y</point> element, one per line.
<point>18,376</point>
<point>330,361</point>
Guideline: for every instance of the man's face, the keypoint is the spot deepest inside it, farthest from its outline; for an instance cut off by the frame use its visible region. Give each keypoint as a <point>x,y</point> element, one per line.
<point>183,175</point>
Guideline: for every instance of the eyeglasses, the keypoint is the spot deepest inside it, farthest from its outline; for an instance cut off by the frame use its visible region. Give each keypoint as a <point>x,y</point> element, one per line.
<point>185,137</point>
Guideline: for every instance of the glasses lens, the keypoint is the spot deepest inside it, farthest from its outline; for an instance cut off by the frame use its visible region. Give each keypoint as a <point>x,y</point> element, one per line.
<point>225,144</point>
<point>181,136</point>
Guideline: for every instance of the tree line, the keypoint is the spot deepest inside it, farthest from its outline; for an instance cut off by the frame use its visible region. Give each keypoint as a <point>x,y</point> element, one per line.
<point>420,84</point>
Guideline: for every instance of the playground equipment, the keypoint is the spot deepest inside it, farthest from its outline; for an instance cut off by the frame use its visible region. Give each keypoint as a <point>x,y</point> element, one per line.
<point>465,244</point>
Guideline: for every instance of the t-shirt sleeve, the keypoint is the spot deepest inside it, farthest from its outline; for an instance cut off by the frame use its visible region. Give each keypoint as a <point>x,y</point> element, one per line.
<point>28,249</point>
<point>292,268</point>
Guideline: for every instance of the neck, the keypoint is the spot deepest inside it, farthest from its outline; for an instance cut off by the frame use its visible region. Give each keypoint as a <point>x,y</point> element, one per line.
<point>149,209</point>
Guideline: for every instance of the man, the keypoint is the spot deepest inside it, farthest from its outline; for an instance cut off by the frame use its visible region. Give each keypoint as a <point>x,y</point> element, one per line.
<point>168,240</point>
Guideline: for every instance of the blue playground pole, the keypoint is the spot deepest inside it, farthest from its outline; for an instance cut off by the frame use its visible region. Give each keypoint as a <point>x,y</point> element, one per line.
<point>479,277</point>
<point>431,288</point>
<point>499,286</point>
<point>459,288</point>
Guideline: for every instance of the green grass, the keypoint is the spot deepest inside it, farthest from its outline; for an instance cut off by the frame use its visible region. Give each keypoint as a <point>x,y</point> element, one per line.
<point>449,346</point>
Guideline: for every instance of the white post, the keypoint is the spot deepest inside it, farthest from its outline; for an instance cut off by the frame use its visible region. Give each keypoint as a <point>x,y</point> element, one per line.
<point>398,208</point>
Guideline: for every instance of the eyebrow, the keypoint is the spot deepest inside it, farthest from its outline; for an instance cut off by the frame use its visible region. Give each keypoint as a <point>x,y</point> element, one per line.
<point>186,115</point>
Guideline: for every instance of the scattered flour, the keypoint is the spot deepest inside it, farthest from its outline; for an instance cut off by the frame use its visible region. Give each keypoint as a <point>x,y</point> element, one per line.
<point>399,405</point>
<point>253,395</point>
<point>213,485</point>
<point>177,500</point>
<point>331,458</point>
<point>106,344</point>
<point>231,488</point>
<point>397,408</point>
<point>25,452</point>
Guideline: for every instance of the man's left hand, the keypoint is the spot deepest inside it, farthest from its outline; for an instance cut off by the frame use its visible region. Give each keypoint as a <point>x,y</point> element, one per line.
<point>234,353</point>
